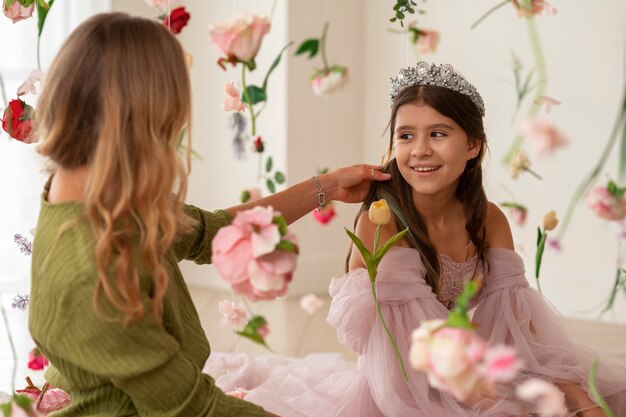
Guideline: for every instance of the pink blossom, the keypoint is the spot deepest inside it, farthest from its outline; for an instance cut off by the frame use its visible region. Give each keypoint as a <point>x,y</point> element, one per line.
<point>519,214</point>
<point>36,360</point>
<point>500,364</point>
<point>554,244</point>
<point>17,12</point>
<point>232,101</point>
<point>427,41</point>
<point>246,256</point>
<point>240,36</point>
<point>325,215</point>
<point>311,303</point>
<point>548,102</point>
<point>238,393</point>
<point>28,86</point>
<point>606,205</point>
<point>549,400</point>
<point>53,399</point>
<point>545,136</point>
<point>232,315</point>
<point>263,331</point>
<point>327,82</point>
<point>537,7</point>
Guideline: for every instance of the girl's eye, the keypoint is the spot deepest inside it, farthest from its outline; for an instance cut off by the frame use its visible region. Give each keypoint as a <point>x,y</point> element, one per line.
<point>405,136</point>
<point>437,134</point>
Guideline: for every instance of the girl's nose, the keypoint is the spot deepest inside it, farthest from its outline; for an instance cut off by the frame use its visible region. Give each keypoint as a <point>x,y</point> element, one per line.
<point>422,148</point>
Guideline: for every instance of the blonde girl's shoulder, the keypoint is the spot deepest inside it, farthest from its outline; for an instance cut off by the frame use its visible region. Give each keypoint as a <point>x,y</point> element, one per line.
<point>498,231</point>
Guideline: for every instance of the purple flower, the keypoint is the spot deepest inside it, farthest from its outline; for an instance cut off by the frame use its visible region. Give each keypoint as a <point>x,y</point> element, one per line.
<point>555,244</point>
<point>20,302</point>
<point>24,244</point>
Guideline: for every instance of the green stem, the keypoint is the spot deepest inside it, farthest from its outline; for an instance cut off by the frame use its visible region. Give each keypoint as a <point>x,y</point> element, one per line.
<point>248,100</point>
<point>493,9</point>
<point>3,92</point>
<point>11,344</point>
<point>376,237</point>
<point>594,390</point>
<point>38,60</point>
<point>260,174</point>
<point>595,172</point>
<point>393,342</point>
<point>273,10</point>
<point>323,47</point>
<point>542,83</point>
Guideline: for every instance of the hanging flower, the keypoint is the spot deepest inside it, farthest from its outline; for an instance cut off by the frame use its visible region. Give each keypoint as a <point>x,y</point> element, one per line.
<point>517,212</point>
<point>549,400</point>
<point>327,82</point>
<point>549,221</point>
<point>54,399</point>
<point>17,121</point>
<point>177,20</point>
<point>25,246</point>
<point>20,302</point>
<point>256,330</point>
<point>545,137</point>
<point>28,86</point>
<point>325,214</point>
<point>536,7</point>
<point>608,202</point>
<point>233,100</point>
<point>311,303</point>
<point>159,3</point>
<point>256,254</point>
<point>548,102</point>
<point>232,315</point>
<point>240,36</point>
<point>16,11</point>
<point>36,360</point>
<point>519,164</point>
<point>426,41</point>
<point>258,145</point>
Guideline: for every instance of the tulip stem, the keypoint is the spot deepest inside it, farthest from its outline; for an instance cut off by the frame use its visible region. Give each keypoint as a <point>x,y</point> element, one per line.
<point>376,237</point>
<point>323,47</point>
<point>393,342</point>
<point>11,344</point>
<point>248,100</point>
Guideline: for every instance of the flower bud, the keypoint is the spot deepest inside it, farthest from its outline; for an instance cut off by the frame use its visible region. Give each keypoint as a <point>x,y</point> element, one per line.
<point>379,212</point>
<point>550,221</point>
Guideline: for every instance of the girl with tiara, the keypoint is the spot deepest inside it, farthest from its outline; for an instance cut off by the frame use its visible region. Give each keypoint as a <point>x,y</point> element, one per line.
<point>436,146</point>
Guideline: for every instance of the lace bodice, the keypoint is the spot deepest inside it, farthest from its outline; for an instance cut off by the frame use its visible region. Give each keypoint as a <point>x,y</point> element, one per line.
<point>453,277</point>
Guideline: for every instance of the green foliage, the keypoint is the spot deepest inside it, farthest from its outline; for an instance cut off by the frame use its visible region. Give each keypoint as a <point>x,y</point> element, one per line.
<point>595,394</point>
<point>274,65</point>
<point>281,223</point>
<point>251,331</point>
<point>310,46</point>
<point>245,196</point>
<point>42,13</point>
<point>279,177</point>
<point>255,95</point>
<point>270,185</point>
<point>458,316</point>
<point>401,9</point>
<point>268,164</point>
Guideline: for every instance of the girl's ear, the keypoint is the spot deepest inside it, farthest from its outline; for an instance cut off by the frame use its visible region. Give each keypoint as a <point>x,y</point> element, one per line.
<point>473,148</point>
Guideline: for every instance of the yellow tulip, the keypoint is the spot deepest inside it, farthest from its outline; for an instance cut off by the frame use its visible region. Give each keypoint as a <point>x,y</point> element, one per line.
<point>379,212</point>
<point>550,221</point>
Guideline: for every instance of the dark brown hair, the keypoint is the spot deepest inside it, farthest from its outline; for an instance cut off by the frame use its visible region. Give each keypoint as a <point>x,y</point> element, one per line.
<point>470,191</point>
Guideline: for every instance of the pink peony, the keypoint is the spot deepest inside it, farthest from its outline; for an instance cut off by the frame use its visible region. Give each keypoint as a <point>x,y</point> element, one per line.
<point>254,255</point>
<point>325,215</point>
<point>232,315</point>
<point>240,36</point>
<point>327,82</point>
<point>606,205</point>
<point>311,303</point>
<point>545,136</point>
<point>549,400</point>
<point>17,12</point>
<point>232,101</point>
<point>427,41</point>
<point>36,360</point>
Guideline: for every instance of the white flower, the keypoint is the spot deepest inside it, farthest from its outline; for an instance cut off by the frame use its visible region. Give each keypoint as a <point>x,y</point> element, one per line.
<point>28,86</point>
<point>326,83</point>
<point>311,303</point>
<point>232,315</point>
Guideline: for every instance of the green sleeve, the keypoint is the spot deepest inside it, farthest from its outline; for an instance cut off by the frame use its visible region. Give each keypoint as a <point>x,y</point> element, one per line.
<point>142,359</point>
<point>196,246</point>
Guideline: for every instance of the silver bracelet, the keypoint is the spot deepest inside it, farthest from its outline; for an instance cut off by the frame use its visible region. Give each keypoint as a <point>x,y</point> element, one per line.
<point>321,197</point>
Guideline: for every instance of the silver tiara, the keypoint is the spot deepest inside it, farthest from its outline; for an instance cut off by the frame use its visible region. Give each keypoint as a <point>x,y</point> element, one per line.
<point>438,75</point>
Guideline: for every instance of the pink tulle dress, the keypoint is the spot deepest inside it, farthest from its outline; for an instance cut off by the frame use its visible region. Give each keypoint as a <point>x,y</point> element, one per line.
<point>507,311</point>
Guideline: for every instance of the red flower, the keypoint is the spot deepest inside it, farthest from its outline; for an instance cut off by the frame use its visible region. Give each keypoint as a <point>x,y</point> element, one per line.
<point>36,360</point>
<point>17,121</point>
<point>258,145</point>
<point>177,20</point>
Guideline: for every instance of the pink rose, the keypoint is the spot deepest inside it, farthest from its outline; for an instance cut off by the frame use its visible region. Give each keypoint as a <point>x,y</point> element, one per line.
<point>232,315</point>
<point>16,11</point>
<point>549,400</point>
<point>232,101</point>
<point>606,205</point>
<point>327,82</point>
<point>311,303</point>
<point>427,41</point>
<point>53,399</point>
<point>240,36</point>
<point>545,136</point>
<point>36,360</point>
<point>325,215</point>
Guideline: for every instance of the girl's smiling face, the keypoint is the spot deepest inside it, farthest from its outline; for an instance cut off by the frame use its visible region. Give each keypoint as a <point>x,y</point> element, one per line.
<point>431,149</point>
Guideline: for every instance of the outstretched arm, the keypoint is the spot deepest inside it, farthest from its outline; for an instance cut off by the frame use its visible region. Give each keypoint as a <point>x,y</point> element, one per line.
<point>349,184</point>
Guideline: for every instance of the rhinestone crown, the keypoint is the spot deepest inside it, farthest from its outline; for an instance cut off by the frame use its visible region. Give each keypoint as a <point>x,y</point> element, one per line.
<point>438,75</point>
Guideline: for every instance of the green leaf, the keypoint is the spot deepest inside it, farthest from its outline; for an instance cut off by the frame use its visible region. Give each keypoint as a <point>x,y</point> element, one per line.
<point>456,319</point>
<point>388,244</point>
<point>268,164</point>
<point>270,186</point>
<point>400,15</point>
<point>251,65</point>
<point>23,402</point>
<point>281,223</point>
<point>274,65</point>
<point>509,204</point>
<point>279,177</point>
<point>42,13</point>
<point>540,248</point>
<point>311,46</point>
<point>539,235</point>
<point>287,246</point>
<point>256,93</point>
<point>6,409</point>
<point>245,196</point>
<point>367,256</point>
<point>595,394</point>
<point>251,331</point>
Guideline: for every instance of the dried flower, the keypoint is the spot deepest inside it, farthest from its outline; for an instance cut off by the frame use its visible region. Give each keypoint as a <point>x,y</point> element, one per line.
<point>36,360</point>
<point>232,315</point>
<point>608,202</point>
<point>177,20</point>
<point>16,11</point>
<point>427,41</point>
<point>519,164</point>
<point>257,145</point>
<point>17,121</point>
<point>25,246</point>
<point>20,302</point>
<point>232,101</point>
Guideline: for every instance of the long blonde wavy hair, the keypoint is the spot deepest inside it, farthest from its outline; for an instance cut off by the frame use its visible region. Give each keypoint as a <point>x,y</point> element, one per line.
<point>115,100</point>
